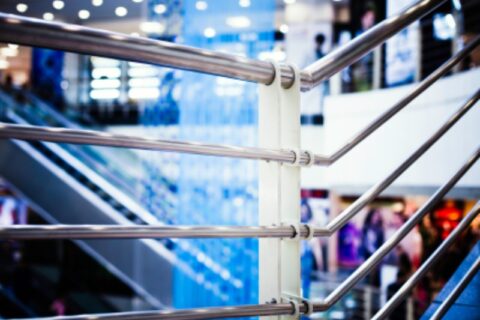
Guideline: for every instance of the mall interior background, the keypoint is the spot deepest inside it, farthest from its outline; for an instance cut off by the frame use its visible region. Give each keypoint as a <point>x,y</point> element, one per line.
<point>47,87</point>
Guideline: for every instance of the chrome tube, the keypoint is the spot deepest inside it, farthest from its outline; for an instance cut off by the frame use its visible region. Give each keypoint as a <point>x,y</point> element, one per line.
<point>375,190</point>
<point>74,38</point>
<point>76,136</point>
<point>352,51</point>
<point>413,280</point>
<point>79,39</point>
<point>30,232</point>
<point>387,115</point>
<point>453,296</point>
<point>395,239</point>
<point>192,314</point>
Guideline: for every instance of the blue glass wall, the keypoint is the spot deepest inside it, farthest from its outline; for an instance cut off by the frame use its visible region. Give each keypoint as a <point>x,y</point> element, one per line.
<point>212,190</point>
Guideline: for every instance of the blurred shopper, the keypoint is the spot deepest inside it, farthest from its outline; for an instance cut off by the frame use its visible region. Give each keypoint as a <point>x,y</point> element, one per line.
<point>8,84</point>
<point>363,69</point>
<point>400,312</point>
<point>372,238</point>
<point>430,237</point>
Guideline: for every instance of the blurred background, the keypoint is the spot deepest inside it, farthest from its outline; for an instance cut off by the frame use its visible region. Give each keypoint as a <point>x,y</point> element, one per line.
<point>43,183</point>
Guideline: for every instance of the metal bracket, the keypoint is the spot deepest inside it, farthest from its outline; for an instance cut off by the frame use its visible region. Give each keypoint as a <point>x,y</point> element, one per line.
<point>311,231</point>
<point>296,301</point>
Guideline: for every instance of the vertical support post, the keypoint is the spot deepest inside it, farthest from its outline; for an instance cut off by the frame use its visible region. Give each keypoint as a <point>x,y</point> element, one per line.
<point>279,190</point>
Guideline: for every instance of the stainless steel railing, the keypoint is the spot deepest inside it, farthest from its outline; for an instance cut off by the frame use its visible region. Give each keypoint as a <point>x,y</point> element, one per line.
<point>332,298</point>
<point>40,33</point>
<point>84,232</point>
<point>36,32</point>
<point>78,136</point>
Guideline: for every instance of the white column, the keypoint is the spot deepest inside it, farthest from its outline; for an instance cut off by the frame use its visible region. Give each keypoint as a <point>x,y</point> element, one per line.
<point>279,191</point>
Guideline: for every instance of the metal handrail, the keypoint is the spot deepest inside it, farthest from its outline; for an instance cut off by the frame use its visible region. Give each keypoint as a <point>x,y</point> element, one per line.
<point>99,231</point>
<point>405,101</point>
<point>30,232</point>
<point>74,38</point>
<point>287,308</point>
<point>434,257</point>
<point>339,221</point>
<point>77,136</point>
<point>452,297</point>
<point>274,309</point>
<point>353,50</point>
<point>395,239</point>
<point>80,136</point>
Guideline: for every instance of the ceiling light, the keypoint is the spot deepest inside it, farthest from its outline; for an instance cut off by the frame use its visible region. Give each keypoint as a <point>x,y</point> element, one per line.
<point>22,7</point>
<point>48,16</point>
<point>201,5</point>
<point>97,3</point>
<point>283,28</point>
<point>137,1</point>
<point>84,14</point>
<point>244,3</point>
<point>121,11</point>
<point>8,52</point>
<point>160,8</point>
<point>238,22</point>
<point>152,27</point>
<point>289,1</point>
<point>58,4</point>
<point>209,32</point>
<point>4,64</point>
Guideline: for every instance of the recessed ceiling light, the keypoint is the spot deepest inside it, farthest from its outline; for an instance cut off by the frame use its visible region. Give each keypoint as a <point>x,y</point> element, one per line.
<point>97,3</point>
<point>283,28</point>
<point>201,5</point>
<point>48,16</point>
<point>137,1</point>
<point>22,7</point>
<point>209,32</point>
<point>289,1</point>
<point>58,4</point>
<point>160,9</point>
<point>121,11</point>
<point>244,3</point>
<point>238,22</point>
<point>152,27</point>
<point>84,14</point>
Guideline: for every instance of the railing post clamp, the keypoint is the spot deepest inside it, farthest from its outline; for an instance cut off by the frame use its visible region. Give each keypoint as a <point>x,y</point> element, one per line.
<point>296,302</point>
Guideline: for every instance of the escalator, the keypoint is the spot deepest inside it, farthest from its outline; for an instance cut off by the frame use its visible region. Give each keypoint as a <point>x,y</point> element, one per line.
<point>78,185</point>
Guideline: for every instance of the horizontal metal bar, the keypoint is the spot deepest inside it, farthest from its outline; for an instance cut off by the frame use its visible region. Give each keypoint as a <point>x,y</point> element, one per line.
<point>459,288</point>
<point>74,38</point>
<point>387,115</point>
<point>375,190</point>
<point>434,257</point>
<point>395,239</point>
<point>77,136</point>
<point>285,309</point>
<point>361,45</point>
<point>192,314</point>
<point>30,232</point>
